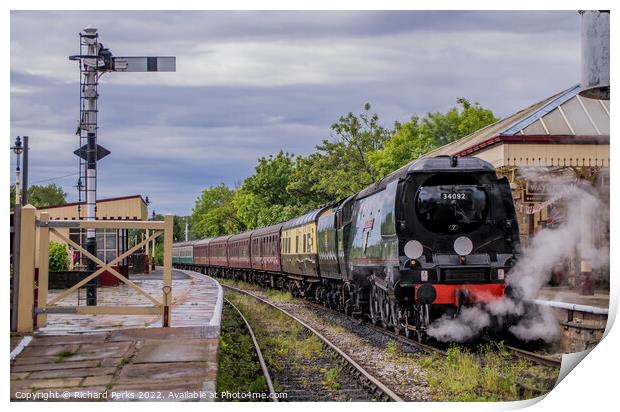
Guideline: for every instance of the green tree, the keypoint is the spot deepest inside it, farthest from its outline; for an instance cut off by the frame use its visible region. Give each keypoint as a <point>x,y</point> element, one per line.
<point>214,213</point>
<point>417,137</point>
<point>263,199</point>
<point>43,195</point>
<point>340,167</point>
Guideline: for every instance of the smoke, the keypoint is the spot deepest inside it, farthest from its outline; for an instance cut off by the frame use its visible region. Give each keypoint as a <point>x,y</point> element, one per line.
<point>549,249</point>
<point>466,326</point>
<point>541,324</point>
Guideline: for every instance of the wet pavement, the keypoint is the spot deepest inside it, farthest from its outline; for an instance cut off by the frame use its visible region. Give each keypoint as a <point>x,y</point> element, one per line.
<point>123,357</point>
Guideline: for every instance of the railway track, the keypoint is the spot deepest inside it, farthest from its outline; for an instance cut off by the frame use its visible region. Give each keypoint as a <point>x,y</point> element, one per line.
<point>517,353</point>
<point>535,357</point>
<point>261,360</point>
<point>364,386</point>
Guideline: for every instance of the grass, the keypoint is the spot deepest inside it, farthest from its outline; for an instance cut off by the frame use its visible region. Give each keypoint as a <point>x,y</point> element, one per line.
<point>331,378</point>
<point>491,374</point>
<point>61,356</point>
<point>391,347</point>
<point>278,295</point>
<point>237,283</point>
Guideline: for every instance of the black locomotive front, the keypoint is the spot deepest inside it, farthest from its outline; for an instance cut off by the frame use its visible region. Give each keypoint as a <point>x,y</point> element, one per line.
<point>458,236</point>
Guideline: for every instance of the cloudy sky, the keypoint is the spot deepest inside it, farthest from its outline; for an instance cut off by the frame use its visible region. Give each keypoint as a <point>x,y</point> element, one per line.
<point>251,83</point>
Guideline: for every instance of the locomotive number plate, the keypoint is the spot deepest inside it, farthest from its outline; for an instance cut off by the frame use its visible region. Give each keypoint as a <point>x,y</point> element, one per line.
<point>454,196</point>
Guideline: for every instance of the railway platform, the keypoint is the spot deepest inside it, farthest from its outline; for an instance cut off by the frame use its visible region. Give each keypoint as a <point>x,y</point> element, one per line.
<point>582,318</point>
<point>123,357</point>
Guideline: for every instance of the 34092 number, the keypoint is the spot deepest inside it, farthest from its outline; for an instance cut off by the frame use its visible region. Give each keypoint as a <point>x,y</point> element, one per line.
<point>454,196</point>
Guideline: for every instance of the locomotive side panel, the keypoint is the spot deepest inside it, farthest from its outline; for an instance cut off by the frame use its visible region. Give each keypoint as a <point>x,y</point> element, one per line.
<point>373,242</point>
<point>327,245</point>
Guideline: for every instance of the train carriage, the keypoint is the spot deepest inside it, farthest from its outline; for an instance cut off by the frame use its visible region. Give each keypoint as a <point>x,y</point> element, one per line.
<point>183,253</point>
<point>218,251</point>
<point>201,252</point>
<point>298,248</point>
<point>265,249</point>
<point>239,251</point>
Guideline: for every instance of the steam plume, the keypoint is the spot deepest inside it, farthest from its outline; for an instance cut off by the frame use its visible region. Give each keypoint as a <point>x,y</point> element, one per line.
<point>547,250</point>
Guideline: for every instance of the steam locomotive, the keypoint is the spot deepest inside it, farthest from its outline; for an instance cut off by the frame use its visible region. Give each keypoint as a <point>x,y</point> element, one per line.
<point>421,243</point>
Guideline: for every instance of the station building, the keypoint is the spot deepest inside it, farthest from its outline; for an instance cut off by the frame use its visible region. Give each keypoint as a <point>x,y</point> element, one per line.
<point>565,136</point>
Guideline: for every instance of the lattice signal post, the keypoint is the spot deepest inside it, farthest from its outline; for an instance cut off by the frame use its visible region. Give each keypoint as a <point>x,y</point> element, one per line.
<point>95,60</point>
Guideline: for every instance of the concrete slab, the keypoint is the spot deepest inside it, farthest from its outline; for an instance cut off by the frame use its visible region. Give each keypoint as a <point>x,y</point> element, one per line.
<point>141,373</point>
<point>160,351</point>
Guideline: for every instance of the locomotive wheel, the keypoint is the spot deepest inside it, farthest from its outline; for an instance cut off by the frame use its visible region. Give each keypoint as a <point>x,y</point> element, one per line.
<point>408,332</point>
<point>422,316</point>
<point>374,305</point>
<point>396,316</point>
<point>384,305</point>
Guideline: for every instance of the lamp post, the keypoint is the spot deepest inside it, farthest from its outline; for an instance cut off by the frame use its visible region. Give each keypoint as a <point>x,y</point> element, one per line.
<point>18,150</point>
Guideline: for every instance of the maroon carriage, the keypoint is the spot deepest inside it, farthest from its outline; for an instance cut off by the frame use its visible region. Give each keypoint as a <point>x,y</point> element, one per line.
<point>201,252</point>
<point>218,251</point>
<point>266,248</point>
<point>239,251</point>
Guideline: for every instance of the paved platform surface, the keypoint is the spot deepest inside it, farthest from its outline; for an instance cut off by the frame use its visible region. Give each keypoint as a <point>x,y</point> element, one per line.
<point>600,299</point>
<point>117,358</point>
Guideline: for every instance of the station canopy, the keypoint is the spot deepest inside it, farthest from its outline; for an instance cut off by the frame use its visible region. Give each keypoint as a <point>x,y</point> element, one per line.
<point>563,130</point>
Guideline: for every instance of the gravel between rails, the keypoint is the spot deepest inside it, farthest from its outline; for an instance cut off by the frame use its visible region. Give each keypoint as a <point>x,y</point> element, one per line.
<point>398,369</point>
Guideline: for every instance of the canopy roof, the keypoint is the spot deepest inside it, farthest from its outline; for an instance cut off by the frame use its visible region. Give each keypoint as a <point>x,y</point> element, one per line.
<point>566,118</point>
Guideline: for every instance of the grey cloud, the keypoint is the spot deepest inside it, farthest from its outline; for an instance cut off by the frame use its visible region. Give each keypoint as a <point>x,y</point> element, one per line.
<point>173,134</point>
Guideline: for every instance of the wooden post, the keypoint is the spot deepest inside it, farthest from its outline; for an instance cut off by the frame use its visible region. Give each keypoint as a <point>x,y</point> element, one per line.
<point>44,237</point>
<point>147,266</point>
<point>26,270</point>
<point>167,289</point>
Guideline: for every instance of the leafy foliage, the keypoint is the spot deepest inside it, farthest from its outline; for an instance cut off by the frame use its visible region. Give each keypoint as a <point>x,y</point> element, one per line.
<point>340,167</point>
<point>43,195</point>
<point>263,199</point>
<point>417,137</point>
<point>58,257</point>
<point>214,213</point>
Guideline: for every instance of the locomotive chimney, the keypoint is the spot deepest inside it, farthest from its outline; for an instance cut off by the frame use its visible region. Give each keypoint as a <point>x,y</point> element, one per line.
<point>595,54</point>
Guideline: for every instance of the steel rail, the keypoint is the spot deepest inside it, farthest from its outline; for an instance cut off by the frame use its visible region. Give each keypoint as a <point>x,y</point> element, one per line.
<point>259,353</point>
<point>374,381</point>
<point>535,357</point>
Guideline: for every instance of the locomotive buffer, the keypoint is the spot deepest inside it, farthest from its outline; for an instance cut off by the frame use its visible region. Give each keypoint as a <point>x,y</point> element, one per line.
<point>95,60</point>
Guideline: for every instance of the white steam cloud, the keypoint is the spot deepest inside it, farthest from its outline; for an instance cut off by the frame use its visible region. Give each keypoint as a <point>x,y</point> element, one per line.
<point>548,249</point>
